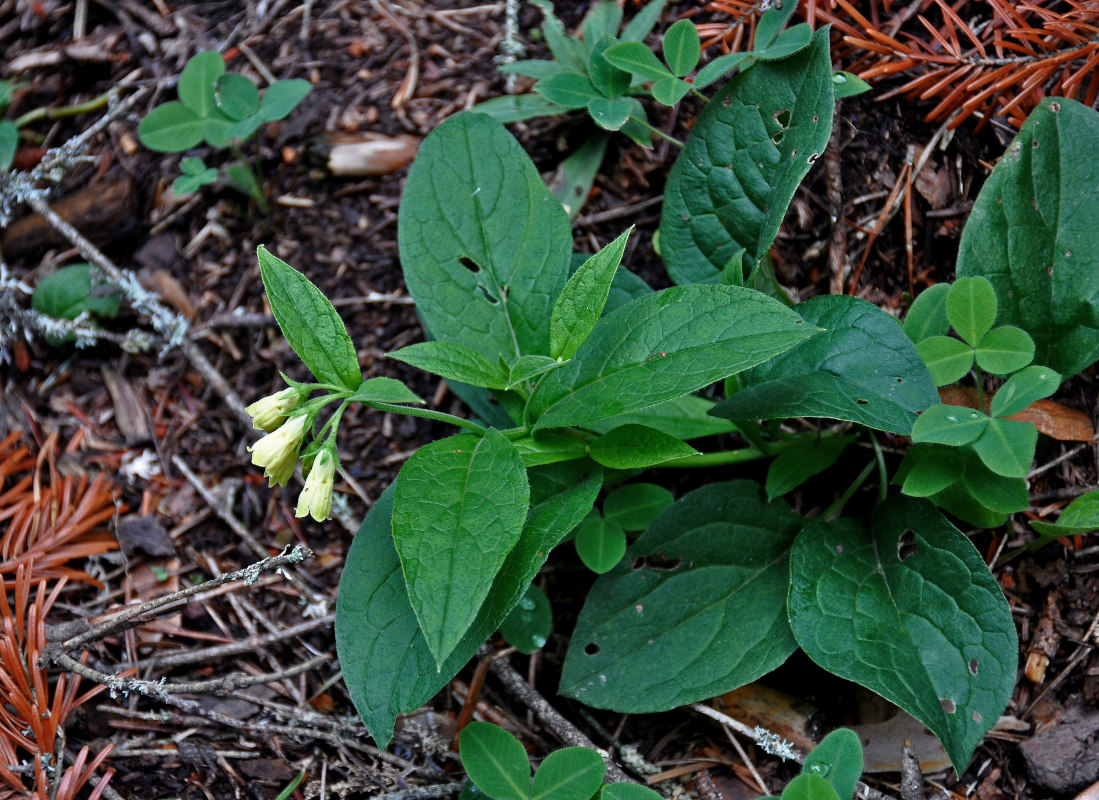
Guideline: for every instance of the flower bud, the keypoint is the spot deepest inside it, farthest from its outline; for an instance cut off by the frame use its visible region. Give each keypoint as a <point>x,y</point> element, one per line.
<point>277,452</point>
<point>270,412</point>
<point>316,498</point>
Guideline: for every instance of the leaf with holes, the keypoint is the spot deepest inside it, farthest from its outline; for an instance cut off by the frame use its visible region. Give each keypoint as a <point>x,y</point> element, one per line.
<point>906,607</point>
<point>484,246</point>
<point>1032,232</point>
<point>662,346</point>
<point>746,155</point>
<point>862,368</point>
<point>697,607</point>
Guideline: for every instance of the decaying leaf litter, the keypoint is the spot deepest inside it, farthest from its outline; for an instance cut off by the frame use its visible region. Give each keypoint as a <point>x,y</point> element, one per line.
<point>173,450</point>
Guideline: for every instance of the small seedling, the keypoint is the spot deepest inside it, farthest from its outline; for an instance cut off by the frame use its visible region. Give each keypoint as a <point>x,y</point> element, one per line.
<point>831,770</point>
<point>75,290</point>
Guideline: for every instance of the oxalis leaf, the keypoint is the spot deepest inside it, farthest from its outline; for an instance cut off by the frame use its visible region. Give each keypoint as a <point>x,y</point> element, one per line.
<point>458,511</point>
<point>386,663</point>
<point>747,153</point>
<point>695,609</point>
<point>862,368</point>
<point>1033,233</point>
<point>906,607</point>
<point>484,246</point>
<point>662,346</point>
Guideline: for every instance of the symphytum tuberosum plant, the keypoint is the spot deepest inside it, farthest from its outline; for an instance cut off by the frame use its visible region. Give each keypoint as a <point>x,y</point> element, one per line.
<point>580,376</point>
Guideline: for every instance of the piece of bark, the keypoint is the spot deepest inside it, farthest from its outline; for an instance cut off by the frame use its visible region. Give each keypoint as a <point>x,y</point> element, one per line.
<point>1065,757</point>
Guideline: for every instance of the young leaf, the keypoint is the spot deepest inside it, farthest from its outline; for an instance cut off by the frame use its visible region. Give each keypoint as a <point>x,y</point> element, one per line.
<point>682,47</point>
<point>847,84</point>
<point>310,323</point>
<point>528,625</point>
<point>602,20</point>
<point>192,166</point>
<point>458,511</point>
<point>927,315</point>
<point>838,760</point>
<point>629,791</point>
<point>607,78</point>
<point>527,367</point>
<point>1079,516</point>
<point>661,346</point>
<point>637,59</point>
<point>573,773</point>
<point>670,91</point>
<point>581,302</point>
<point>600,543</point>
<point>198,80</point>
<point>906,607</point>
<point>1005,350</point>
<point>718,68</point>
<point>171,128</point>
<point>1007,446</point>
<point>282,97</point>
<point>636,505</point>
<point>643,22</point>
<point>185,184</point>
<point>1047,281</point>
<point>243,180</point>
<point>787,44</point>
<point>516,108</point>
<point>72,290</point>
<point>569,50</point>
<point>568,89</point>
<point>697,607</point>
<point>236,96</point>
<point>383,390</point>
<point>685,417</point>
<point>928,469</point>
<point>809,787</point>
<point>995,492</point>
<point>495,761</point>
<point>947,359</point>
<point>610,115</point>
<point>794,466</point>
<point>484,246</point>
<point>862,368</point>
<point>952,425</point>
<point>971,308</point>
<point>453,361</point>
<point>771,22</point>
<point>1022,389</point>
<point>745,157</point>
<point>636,447</point>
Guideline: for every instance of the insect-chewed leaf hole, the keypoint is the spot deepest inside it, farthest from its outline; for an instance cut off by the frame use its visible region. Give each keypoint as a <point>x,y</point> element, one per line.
<point>591,649</point>
<point>906,545</point>
<point>973,665</point>
<point>470,264</point>
<point>859,401</point>
<point>657,562</point>
<point>782,117</point>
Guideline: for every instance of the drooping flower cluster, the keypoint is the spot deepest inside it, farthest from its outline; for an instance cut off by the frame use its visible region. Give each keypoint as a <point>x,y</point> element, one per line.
<point>277,452</point>
<point>316,497</point>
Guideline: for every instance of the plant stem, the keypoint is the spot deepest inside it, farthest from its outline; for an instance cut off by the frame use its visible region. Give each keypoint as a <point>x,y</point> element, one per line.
<point>740,456</point>
<point>834,510</point>
<point>426,413</point>
<point>883,478</point>
<point>749,429</point>
<point>44,112</point>
<point>658,132</point>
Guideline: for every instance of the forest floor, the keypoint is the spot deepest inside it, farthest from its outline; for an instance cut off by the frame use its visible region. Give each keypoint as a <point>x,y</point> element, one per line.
<point>178,492</point>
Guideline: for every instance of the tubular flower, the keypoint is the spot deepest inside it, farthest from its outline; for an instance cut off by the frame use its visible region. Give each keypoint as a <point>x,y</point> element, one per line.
<point>277,452</point>
<point>316,498</point>
<point>270,412</point>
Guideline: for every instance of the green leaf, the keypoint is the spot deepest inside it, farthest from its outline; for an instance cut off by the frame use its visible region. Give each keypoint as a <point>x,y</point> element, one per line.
<point>928,469</point>
<point>1031,232</point>
<point>610,115</point>
<point>383,390</point>
<point>495,761</point>
<point>527,367</point>
<point>484,246</point>
<point>772,22</point>
<point>670,91</point>
<point>685,417</point>
<point>532,68</point>
<point>643,22</point>
<point>282,97</point>
<point>1007,446</point>
<point>528,625</point>
<point>952,425</point>
<point>458,511</point>
<point>794,466</point>
<point>809,787</point>
<point>947,359</point>
<point>569,50</point>
<point>661,346</point>
<point>243,180</point>
<point>185,184</point>
<point>746,155</point>
<point>236,96</point>
<point>927,315</point>
<point>568,89</point>
<point>847,84</point>
<point>838,760</point>
<point>1022,389</point>
<point>607,78</point>
<point>602,20</point>
<point>453,361</point>
<point>549,448</point>
<point>636,505</point>
<point>787,44</point>
<point>1005,350</point>
<point>72,290</point>
<point>697,607</point>
<point>635,446</point>
<point>9,143</point>
<point>996,492</point>
<point>171,128</point>
<point>192,166</point>
<point>572,182</point>
<point>637,59</point>
<point>387,666</point>
<point>198,80</point>
<point>310,323</point>
<point>682,47</point>
<point>862,368</point>
<point>581,302</point>
<point>1079,516</point>
<point>971,308</point>
<point>718,68</point>
<point>906,607</point>
<point>516,108</point>
<point>573,773</point>
<point>600,543</point>
<point>629,791</point>
<point>637,132</point>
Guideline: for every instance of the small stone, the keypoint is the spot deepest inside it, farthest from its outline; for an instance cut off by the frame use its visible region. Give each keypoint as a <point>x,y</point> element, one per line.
<point>1065,758</point>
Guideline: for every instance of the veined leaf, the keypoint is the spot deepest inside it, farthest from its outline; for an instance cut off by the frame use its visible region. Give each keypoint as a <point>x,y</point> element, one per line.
<point>384,390</point>
<point>635,446</point>
<point>453,361</point>
<point>971,308</point>
<point>637,59</point>
<point>581,302</point>
<point>573,773</point>
<point>600,543</point>
<point>682,47</point>
<point>927,315</point>
<point>197,82</point>
<point>495,761</point>
<point>519,107</point>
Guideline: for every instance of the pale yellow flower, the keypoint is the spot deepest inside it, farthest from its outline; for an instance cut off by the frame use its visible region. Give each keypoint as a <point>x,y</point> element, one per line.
<point>316,498</point>
<point>270,412</point>
<point>277,452</point>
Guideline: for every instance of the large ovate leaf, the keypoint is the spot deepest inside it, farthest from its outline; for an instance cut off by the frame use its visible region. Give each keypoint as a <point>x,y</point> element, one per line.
<point>695,609</point>
<point>664,345</point>
<point>1033,233</point>
<point>862,368</point>
<point>906,607</point>
<point>459,509</point>
<point>484,246</point>
<point>747,153</point>
<point>386,663</point>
